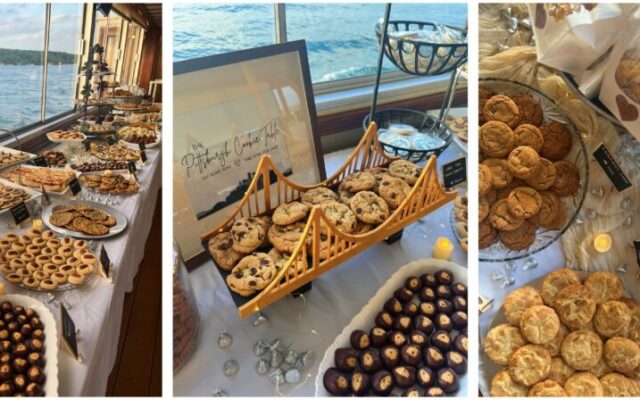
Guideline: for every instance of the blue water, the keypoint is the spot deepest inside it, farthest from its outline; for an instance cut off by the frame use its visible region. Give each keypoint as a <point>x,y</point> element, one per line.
<point>21,93</point>
<point>341,41</point>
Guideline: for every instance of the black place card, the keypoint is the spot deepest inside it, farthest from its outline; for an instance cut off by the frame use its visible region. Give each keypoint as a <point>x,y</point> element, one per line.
<point>69,332</point>
<point>74,185</point>
<point>39,161</point>
<point>454,172</point>
<point>87,145</point>
<point>636,245</point>
<point>20,213</point>
<point>132,167</point>
<point>142,146</point>
<point>143,156</point>
<point>105,261</point>
<point>45,195</point>
<point>611,167</point>
<point>111,140</point>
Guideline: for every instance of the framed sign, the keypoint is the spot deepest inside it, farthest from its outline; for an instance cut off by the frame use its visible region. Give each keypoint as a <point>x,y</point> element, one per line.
<point>230,110</point>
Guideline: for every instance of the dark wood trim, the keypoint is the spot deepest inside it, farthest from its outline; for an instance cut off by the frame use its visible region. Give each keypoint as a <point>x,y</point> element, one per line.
<point>197,261</point>
<point>352,119</point>
<point>151,49</point>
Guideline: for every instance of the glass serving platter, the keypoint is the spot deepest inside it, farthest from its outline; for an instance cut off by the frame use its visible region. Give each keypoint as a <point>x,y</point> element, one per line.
<point>497,252</point>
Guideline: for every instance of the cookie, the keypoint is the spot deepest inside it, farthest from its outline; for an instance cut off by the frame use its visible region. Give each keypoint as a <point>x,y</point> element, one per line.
<point>539,324</point>
<point>484,94</point>
<point>547,388</point>
<point>288,213</point>
<point>406,170</point>
<point>485,179</point>
<point>558,141</point>
<point>560,218</point>
<point>601,368</point>
<point>483,208</point>
<point>567,180</point>
<point>617,385</point>
<point>622,354</point>
<point>502,385</point>
<point>556,343</point>
<point>248,234</point>
<point>487,234</point>
<point>581,350</point>
<point>523,162</point>
<point>556,281</point>
<point>345,196</point>
<point>520,238</point>
<point>530,364</point>
<point>612,318</point>
<point>530,110</point>
<point>252,273</point>
<point>575,306</point>
<point>501,108</point>
<point>340,216</point>
<point>501,342</point>
<point>500,174</point>
<point>604,286</point>
<point>544,177</point>
<point>501,218</point>
<point>318,195</point>
<point>560,371</point>
<point>518,301</point>
<point>221,249</point>
<point>369,208</point>
<point>530,136</point>
<point>524,202</point>
<point>393,190</point>
<point>61,219</point>
<point>358,181</point>
<point>583,384</point>
<point>285,238</point>
<point>496,139</point>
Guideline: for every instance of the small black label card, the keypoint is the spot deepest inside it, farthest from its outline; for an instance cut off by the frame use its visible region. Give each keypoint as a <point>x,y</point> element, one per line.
<point>611,168</point>
<point>111,140</point>
<point>142,146</point>
<point>132,167</point>
<point>20,213</point>
<point>87,145</point>
<point>39,161</point>
<point>69,332</point>
<point>636,244</point>
<point>454,172</point>
<point>143,156</point>
<point>105,261</point>
<point>74,185</point>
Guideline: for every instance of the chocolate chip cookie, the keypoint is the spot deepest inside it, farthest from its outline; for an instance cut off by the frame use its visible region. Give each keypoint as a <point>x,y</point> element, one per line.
<point>500,174</point>
<point>544,177</point>
<point>358,181</point>
<point>524,202</point>
<point>501,218</point>
<point>502,108</point>
<point>393,191</point>
<point>567,180</point>
<point>220,247</point>
<point>496,139</point>
<point>523,162</point>
<point>379,173</point>
<point>530,110</point>
<point>529,135</point>
<point>520,238</point>
<point>253,273</point>
<point>288,213</point>
<point>406,170</point>
<point>248,234</point>
<point>318,195</point>
<point>369,207</point>
<point>286,237</point>
<point>557,141</point>
<point>340,215</point>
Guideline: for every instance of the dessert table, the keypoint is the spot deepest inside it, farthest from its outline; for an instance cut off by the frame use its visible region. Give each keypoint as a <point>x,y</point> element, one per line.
<point>306,323</point>
<point>97,306</point>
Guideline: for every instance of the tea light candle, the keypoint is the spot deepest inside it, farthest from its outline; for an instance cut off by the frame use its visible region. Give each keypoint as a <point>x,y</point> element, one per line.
<point>37,223</point>
<point>443,248</point>
<point>602,242</point>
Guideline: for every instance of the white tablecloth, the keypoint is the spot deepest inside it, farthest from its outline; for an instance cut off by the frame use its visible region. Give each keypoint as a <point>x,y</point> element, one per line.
<point>311,323</point>
<point>96,307</point>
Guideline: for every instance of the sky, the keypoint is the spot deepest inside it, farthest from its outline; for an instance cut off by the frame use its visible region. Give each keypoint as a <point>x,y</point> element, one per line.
<point>22,26</point>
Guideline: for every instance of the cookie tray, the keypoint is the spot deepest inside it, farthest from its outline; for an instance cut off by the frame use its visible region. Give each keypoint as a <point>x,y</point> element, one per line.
<point>365,317</point>
<point>264,195</point>
<point>33,194</point>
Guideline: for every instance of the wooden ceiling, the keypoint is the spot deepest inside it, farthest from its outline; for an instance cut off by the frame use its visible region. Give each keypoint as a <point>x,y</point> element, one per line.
<point>153,12</point>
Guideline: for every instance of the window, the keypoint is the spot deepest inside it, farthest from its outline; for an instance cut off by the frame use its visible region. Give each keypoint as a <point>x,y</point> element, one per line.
<point>341,40</point>
<point>131,54</point>
<point>22,37</point>
<point>65,32</point>
<point>107,33</point>
<point>201,30</point>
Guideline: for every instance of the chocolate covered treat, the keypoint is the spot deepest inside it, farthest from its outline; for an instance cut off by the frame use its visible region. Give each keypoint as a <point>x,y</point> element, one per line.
<point>360,339</point>
<point>360,383</point>
<point>369,360</point>
<point>336,382</point>
<point>382,383</point>
<point>346,359</point>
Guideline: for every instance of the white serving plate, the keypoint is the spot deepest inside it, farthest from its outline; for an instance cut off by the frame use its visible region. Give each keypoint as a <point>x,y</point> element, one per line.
<point>34,194</point>
<point>364,319</point>
<point>119,227</point>
<point>487,367</point>
<point>148,146</point>
<point>14,151</point>
<point>65,191</point>
<point>50,341</point>
<point>64,141</point>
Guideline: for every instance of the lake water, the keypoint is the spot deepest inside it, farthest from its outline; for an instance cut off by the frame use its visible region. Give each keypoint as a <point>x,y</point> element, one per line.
<point>21,93</point>
<point>341,41</point>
